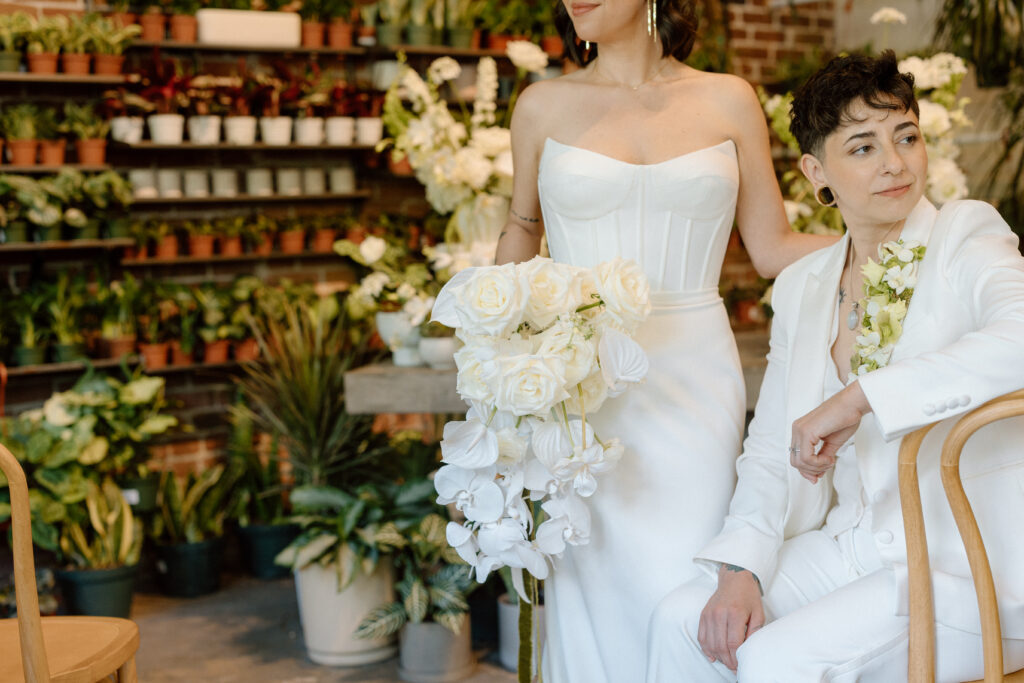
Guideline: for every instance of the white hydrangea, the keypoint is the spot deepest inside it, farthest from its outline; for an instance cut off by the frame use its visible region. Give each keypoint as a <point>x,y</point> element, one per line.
<point>888,15</point>
<point>946,181</point>
<point>443,69</point>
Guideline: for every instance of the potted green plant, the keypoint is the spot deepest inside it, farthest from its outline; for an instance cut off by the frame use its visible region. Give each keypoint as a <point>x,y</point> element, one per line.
<point>313,13</point>
<point>152,327</point>
<point>14,30</point>
<point>544,23</point>
<point>125,111</point>
<point>19,125</point>
<point>64,307</point>
<point>119,14</point>
<point>165,85</point>
<point>245,294</point>
<point>394,15</point>
<point>32,333</point>
<point>215,325</point>
<point>184,26</point>
<point>184,325</point>
<point>90,131</point>
<point>507,20</point>
<point>166,239</point>
<point>230,231</point>
<point>110,38</point>
<point>460,16</point>
<point>432,611</point>
<point>201,238</point>
<point>49,132</point>
<point>420,30</point>
<point>189,529</point>
<point>44,43</point>
<point>339,27</point>
<point>77,39</point>
<point>261,234</point>
<point>118,327</point>
<point>263,525</point>
<point>153,22</point>
<point>291,236</point>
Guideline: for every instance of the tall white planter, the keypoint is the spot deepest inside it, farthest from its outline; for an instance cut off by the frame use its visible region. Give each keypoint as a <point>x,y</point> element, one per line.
<point>204,130</point>
<point>276,130</point>
<point>369,130</point>
<point>166,129</point>
<point>127,129</point>
<point>309,130</point>
<point>340,130</point>
<point>430,653</point>
<point>240,130</point>
<point>330,618</point>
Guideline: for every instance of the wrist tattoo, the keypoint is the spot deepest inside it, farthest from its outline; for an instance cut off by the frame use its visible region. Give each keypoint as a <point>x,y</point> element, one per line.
<point>737,569</point>
<point>523,218</point>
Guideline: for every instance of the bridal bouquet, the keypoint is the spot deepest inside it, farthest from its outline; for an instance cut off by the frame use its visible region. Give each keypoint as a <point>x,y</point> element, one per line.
<point>545,344</point>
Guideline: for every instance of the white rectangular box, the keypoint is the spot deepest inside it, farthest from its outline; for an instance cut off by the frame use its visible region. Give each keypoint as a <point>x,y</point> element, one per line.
<point>246,28</point>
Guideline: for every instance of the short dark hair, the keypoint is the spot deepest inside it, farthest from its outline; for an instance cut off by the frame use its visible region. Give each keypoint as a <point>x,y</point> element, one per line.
<point>677,28</point>
<point>822,103</point>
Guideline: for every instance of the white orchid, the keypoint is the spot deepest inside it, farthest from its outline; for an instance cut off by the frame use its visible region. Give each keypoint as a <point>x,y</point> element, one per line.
<point>473,491</point>
<point>469,444</point>
<point>568,523</point>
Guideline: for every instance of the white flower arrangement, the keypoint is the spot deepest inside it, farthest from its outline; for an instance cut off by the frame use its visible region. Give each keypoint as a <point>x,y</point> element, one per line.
<point>545,344</point>
<point>888,15</point>
<point>888,287</point>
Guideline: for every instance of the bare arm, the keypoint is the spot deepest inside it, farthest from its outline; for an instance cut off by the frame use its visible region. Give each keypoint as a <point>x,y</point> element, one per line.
<point>766,233</point>
<point>521,236</point>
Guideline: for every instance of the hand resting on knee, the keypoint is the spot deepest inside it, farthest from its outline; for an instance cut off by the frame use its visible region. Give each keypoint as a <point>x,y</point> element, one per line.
<point>731,616</point>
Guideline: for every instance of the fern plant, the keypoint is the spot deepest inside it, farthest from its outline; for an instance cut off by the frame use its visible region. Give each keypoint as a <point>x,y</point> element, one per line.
<point>434,585</point>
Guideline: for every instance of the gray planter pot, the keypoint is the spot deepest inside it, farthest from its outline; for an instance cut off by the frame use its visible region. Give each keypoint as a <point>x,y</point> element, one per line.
<point>430,653</point>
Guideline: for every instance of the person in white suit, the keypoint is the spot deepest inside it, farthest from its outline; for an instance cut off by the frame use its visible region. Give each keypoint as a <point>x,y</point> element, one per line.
<point>807,579</point>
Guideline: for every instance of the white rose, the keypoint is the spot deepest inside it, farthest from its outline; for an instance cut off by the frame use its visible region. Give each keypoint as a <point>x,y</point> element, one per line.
<point>491,301</point>
<point>625,290</point>
<point>564,341</point>
<point>595,391</point>
<point>527,384</point>
<point>371,249</point>
<point>525,55</point>
<point>473,364</point>
<point>551,290</point>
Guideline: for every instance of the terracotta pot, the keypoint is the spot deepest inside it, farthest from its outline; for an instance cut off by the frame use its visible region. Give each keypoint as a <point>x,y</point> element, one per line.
<point>356,234</point>
<point>108,65</point>
<point>552,45</point>
<point>167,247</point>
<point>123,18</point>
<point>402,168</point>
<point>292,241</point>
<point>323,241</point>
<point>312,34</point>
<point>23,152</point>
<point>184,28</point>
<point>217,351</point>
<point>116,348</point>
<point>265,247</point>
<point>45,63</point>
<point>76,64</point>
<point>153,25</point>
<point>179,357</point>
<point>246,350</point>
<point>339,34</point>
<point>200,246</point>
<point>366,35</point>
<point>231,246</point>
<point>91,152</point>
<point>51,152</point>
<point>498,42</point>
<point>154,356</point>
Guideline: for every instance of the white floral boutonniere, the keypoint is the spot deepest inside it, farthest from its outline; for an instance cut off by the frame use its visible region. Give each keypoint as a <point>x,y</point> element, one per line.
<point>888,286</point>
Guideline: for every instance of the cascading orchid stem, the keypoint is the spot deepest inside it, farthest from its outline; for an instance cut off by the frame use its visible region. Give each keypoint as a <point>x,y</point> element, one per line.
<point>583,416</point>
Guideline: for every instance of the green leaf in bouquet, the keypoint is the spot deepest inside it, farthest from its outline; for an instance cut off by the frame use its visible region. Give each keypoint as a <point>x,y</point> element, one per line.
<point>382,622</point>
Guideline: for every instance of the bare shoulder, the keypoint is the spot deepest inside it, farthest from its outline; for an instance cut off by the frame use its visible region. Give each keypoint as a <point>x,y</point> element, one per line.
<point>727,91</point>
<point>541,103</point>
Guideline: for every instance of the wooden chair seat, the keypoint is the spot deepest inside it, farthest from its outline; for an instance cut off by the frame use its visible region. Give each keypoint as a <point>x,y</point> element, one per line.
<point>78,649</point>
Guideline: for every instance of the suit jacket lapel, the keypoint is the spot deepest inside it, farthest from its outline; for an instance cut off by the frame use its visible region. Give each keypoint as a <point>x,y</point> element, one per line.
<point>918,227</point>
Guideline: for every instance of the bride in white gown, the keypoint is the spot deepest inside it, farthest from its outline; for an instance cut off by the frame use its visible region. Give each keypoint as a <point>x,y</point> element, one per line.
<point>639,156</point>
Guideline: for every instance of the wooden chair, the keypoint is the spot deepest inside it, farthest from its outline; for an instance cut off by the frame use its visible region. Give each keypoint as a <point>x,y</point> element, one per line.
<point>65,649</point>
<point>922,610</point>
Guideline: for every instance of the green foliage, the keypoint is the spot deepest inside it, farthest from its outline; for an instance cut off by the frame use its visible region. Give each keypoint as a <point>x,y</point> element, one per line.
<point>261,487</point>
<point>194,509</point>
<point>15,28</point>
<point>84,122</point>
<point>109,537</point>
<point>28,313</point>
<point>65,307</point>
<point>47,34</point>
<point>508,17</point>
<point>985,33</point>
<point>111,38</point>
<point>19,121</point>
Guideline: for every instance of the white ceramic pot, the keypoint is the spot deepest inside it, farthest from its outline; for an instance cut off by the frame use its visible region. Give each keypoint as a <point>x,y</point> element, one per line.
<point>402,337</point>
<point>240,130</point>
<point>508,631</point>
<point>259,182</point>
<point>439,352</point>
<point>248,28</point>
<point>204,130</point>
<point>369,130</point>
<point>309,131</point>
<point>168,183</point>
<point>340,130</point>
<point>166,129</point>
<point>289,182</point>
<point>225,182</point>
<point>313,181</point>
<point>276,130</point>
<point>197,182</point>
<point>127,129</point>
<point>143,182</point>
<point>384,72</point>
<point>342,179</point>
<point>430,653</point>
<point>329,618</point>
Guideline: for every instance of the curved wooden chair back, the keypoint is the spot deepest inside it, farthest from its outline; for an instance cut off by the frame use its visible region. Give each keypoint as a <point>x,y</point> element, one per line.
<point>33,649</point>
<point>922,610</point>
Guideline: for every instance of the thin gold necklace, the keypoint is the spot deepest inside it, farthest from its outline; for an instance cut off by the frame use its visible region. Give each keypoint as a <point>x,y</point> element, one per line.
<point>634,88</point>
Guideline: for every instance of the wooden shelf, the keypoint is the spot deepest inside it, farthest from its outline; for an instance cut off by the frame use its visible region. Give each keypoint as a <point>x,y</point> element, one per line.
<point>19,77</point>
<point>246,199</point>
<point>105,363</point>
<point>38,169</point>
<point>259,146</point>
<point>187,260</point>
<point>376,51</point>
<point>68,245</point>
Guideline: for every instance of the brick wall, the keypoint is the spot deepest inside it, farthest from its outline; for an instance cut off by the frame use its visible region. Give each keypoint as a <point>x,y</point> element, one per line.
<point>762,33</point>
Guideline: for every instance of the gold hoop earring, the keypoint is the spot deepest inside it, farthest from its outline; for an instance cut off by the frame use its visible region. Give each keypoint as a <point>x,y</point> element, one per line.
<point>825,196</point>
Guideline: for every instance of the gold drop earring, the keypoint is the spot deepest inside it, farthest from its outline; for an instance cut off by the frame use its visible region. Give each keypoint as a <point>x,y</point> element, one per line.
<point>652,19</point>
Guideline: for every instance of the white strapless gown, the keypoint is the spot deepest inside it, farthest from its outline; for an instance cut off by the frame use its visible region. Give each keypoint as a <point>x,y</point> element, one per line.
<point>681,428</point>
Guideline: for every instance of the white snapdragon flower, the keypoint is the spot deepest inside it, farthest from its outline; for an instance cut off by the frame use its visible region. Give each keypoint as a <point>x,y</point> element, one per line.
<point>484,105</point>
<point>888,15</point>
<point>527,56</point>
<point>415,88</point>
<point>443,69</point>
<point>371,249</point>
<point>472,168</point>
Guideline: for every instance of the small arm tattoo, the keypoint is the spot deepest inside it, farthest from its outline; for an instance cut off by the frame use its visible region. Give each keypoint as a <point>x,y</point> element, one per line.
<point>735,568</point>
<point>524,218</point>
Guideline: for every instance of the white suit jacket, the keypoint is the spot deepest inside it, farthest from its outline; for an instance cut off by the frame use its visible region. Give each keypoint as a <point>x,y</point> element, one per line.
<point>962,344</point>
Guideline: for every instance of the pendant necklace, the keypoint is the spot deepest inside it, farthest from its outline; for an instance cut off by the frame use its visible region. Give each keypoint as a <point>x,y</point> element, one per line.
<point>853,317</point>
<point>647,80</point>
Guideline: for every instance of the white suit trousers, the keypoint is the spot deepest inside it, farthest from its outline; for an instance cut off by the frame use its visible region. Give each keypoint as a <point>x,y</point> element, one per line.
<point>831,617</point>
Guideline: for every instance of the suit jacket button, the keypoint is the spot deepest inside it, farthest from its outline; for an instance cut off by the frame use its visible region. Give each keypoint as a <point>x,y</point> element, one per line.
<point>940,407</point>
<point>953,403</point>
<point>929,409</point>
<point>885,536</point>
<point>965,400</point>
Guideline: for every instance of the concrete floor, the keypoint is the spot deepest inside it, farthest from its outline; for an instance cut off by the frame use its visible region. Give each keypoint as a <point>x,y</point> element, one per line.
<point>248,632</point>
